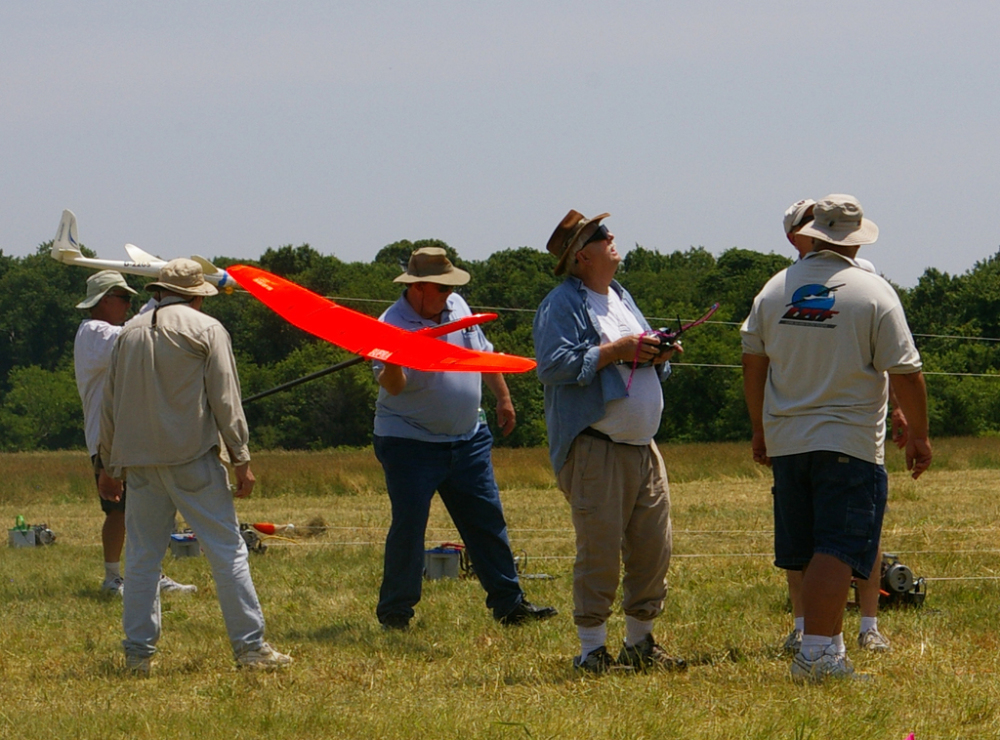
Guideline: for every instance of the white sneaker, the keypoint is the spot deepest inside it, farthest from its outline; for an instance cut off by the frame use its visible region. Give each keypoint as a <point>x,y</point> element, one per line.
<point>828,665</point>
<point>137,664</point>
<point>112,587</point>
<point>793,643</point>
<point>873,640</point>
<point>264,657</point>
<point>169,586</point>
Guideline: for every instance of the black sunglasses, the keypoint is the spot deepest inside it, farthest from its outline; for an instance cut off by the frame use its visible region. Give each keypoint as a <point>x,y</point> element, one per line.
<point>602,234</point>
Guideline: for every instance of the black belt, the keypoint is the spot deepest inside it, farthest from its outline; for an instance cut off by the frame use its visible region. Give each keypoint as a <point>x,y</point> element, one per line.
<point>591,432</point>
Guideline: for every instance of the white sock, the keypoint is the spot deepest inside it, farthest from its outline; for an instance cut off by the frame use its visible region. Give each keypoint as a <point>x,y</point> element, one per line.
<point>868,624</point>
<point>813,646</point>
<point>800,624</point>
<point>112,571</point>
<point>636,630</point>
<point>591,638</point>
<point>838,642</point>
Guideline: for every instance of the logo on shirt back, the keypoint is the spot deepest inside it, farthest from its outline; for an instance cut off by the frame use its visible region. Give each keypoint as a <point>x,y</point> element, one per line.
<point>812,305</point>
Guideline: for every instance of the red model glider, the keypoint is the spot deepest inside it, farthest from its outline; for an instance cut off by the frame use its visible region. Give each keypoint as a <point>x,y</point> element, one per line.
<point>369,337</point>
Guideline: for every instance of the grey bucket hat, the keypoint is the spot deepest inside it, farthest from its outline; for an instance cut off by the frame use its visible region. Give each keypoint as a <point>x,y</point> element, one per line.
<point>100,283</point>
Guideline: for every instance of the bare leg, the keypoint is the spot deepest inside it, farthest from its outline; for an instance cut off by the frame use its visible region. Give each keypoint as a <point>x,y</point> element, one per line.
<point>113,536</point>
<point>795,592</point>
<point>868,591</point>
<point>825,586</point>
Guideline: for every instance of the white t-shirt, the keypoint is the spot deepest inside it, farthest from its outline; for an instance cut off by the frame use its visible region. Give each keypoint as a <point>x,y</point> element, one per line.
<point>634,419</point>
<point>91,357</point>
<point>830,330</point>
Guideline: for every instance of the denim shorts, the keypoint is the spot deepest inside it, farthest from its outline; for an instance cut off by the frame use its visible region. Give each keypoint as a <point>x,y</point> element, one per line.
<point>831,503</point>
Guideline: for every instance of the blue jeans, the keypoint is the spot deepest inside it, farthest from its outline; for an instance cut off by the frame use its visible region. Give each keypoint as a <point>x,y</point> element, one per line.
<point>462,472</point>
<point>830,503</point>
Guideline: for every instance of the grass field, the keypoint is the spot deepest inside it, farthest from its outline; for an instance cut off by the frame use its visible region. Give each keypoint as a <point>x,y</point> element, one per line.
<point>458,674</point>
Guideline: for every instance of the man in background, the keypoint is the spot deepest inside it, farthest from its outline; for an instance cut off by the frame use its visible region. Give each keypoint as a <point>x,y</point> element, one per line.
<point>108,301</point>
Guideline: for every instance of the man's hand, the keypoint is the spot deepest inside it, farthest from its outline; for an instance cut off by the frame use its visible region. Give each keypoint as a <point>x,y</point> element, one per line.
<point>760,449</point>
<point>506,418</point>
<point>109,488</point>
<point>668,354</point>
<point>900,428</point>
<point>244,480</point>
<point>918,455</point>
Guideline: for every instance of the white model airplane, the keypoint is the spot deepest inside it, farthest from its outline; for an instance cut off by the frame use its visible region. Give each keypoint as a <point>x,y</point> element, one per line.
<point>66,249</point>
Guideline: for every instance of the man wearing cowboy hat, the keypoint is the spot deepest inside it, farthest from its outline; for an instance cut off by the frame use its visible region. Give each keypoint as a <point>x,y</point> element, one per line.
<point>603,404</point>
<point>108,301</point>
<point>171,407</point>
<point>820,338</point>
<point>430,435</point>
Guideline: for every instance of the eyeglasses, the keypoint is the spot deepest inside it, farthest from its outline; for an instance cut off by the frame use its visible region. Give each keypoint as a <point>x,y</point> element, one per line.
<point>601,235</point>
<point>124,296</point>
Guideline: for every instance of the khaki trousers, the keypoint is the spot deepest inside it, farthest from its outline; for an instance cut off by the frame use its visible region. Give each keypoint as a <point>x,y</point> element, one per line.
<point>620,503</point>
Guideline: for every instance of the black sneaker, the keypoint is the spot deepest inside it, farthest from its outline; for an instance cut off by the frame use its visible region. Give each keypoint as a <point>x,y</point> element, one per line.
<point>647,654</point>
<point>399,622</point>
<point>526,611</point>
<point>597,661</point>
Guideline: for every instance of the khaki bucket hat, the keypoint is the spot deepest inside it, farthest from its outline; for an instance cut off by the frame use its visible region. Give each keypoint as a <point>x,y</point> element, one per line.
<point>839,219</point>
<point>184,277</point>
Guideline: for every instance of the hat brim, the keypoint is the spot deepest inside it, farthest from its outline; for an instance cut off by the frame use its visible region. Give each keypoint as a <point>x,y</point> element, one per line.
<point>867,233</point>
<point>455,276</point>
<point>560,267</point>
<point>92,301</point>
<point>205,289</point>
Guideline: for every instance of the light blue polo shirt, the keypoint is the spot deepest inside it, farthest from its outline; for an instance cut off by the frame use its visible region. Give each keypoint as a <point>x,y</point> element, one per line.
<point>434,406</point>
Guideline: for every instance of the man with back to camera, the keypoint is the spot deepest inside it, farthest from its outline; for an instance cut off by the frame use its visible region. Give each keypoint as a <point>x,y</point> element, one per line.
<point>108,301</point>
<point>603,403</point>
<point>797,216</point>
<point>820,337</point>
<point>430,435</point>
<point>171,409</point>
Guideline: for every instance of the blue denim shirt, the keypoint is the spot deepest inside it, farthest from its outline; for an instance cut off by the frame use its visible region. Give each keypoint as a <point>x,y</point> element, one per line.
<point>567,348</point>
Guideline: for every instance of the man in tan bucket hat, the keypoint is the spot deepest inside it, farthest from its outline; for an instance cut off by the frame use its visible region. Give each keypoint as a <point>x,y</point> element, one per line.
<point>820,338</point>
<point>171,408</point>
<point>431,436</point>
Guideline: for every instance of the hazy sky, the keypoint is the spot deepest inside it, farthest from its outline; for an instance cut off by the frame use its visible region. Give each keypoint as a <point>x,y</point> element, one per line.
<point>225,128</point>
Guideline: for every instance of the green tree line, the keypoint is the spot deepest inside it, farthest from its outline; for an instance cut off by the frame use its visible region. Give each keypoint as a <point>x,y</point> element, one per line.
<point>703,399</point>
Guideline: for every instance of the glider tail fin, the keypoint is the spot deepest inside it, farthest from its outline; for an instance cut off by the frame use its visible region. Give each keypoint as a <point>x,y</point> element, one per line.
<point>66,245</point>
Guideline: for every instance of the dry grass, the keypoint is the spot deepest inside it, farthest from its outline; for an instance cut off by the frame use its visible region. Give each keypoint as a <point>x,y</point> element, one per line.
<point>459,674</point>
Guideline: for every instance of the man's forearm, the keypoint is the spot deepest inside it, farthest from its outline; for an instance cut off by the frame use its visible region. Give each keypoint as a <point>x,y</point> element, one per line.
<point>754,381</point>
<point>911,395</point>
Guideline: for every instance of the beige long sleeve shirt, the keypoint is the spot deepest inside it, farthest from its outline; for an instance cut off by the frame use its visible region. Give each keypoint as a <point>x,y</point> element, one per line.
<point>172,392</point>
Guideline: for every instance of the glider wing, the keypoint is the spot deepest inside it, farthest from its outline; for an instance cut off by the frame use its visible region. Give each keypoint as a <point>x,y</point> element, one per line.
<point>365,336</point>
